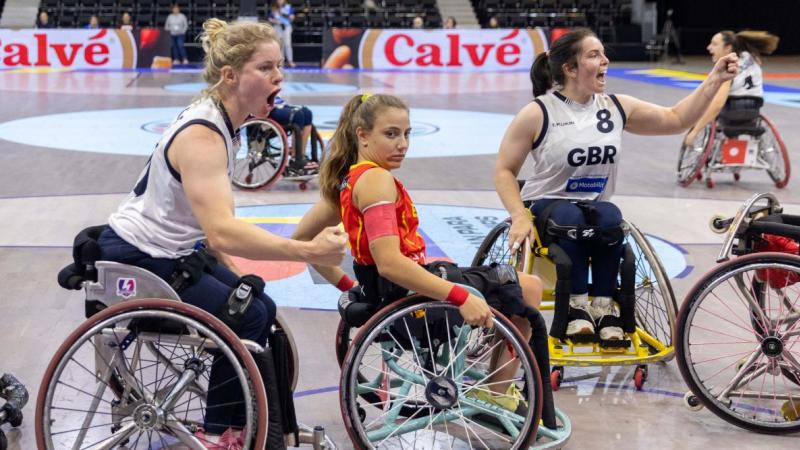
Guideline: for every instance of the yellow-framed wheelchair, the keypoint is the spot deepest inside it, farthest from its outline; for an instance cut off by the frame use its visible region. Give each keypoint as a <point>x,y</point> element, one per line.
<point>739,327</point>
<point>649,332</point>
<point>137,373</point>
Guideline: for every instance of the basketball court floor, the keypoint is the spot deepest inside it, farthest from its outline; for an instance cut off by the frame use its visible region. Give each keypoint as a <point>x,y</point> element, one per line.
<point>73,143</point>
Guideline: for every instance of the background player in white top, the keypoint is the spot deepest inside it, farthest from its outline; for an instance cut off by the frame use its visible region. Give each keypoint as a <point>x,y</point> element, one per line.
<point>192,200</point>
<point>576,66</point>
<point>749,46</point>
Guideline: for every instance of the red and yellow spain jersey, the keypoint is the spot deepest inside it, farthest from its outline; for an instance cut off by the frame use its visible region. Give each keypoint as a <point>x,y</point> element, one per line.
<point>411,243</point>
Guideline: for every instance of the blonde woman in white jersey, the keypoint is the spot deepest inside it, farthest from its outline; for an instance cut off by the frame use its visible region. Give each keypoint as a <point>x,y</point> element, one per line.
<point>572,132</point>
<point>749,46</point>
<point>183,197</point>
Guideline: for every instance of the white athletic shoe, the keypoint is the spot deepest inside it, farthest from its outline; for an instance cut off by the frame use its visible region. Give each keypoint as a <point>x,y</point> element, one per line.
<point>580,326</point>
<point>605,306</point>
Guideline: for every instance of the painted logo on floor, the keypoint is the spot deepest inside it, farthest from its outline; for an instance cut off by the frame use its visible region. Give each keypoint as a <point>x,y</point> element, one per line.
<point>436,132</point>
<point>450,232</point>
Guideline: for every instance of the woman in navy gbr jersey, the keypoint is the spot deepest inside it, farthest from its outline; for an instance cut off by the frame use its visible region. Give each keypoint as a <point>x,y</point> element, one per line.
<point>184,196</point>
<point>572,131</point>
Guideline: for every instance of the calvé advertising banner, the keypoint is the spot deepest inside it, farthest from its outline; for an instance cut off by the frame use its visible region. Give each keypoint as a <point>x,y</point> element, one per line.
<point>72,49</point>
<point>434,50</point>
<point>82,49</point>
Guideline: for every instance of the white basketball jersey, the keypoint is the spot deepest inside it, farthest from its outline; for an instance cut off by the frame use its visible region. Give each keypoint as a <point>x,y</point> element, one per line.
<point>749,80</point>
<point>577,151</point>
<point>156,218</point>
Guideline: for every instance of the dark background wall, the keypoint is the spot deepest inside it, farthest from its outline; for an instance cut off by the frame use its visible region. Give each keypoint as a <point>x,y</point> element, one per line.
<point>698,20</point>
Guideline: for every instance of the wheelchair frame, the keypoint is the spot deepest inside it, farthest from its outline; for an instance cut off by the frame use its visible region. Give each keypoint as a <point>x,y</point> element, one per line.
<point>758,320</point>
<point>399,380</point>
<point>267,162</point>
<point>154,299</point>
<point>704,157</point>
<point>648,346</point>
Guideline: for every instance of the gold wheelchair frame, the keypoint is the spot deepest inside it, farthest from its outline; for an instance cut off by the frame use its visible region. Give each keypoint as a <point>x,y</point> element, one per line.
<point>655,311</point>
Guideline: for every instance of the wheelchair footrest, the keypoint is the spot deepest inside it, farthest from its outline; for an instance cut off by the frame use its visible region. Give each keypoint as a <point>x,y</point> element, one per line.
<point>616,343</point>
<point>582,338</point>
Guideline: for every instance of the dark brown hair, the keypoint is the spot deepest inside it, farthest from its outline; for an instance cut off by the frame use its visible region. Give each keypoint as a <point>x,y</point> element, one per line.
<point>756,43</point>
<point>548,66</point>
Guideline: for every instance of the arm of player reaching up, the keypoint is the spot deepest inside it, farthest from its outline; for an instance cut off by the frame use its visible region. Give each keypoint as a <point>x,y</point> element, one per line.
<point>648,118</point>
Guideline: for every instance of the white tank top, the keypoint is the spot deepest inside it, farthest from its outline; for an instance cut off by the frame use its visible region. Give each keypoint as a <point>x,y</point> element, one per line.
<point>749,81</point>
<point>577,151</point>
<point>156,218</point>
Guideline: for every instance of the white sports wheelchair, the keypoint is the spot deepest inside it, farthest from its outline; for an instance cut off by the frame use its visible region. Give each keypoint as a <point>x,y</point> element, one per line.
<point>136,373</point>
<point>740,138</point>
<point>738,331</point>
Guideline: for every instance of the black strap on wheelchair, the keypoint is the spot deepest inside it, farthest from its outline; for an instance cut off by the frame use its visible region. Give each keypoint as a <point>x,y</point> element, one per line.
<point>354,308</point>
<point>189,269</point>
<point>241,297</point>
<point>541,352</point>
<point>275,424</point>
<point>282,358</point>
<point>85,253</point>
<point>591,232</point>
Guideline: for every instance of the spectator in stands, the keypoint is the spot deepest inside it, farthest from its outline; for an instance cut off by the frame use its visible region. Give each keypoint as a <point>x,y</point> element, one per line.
<point>493,22</point>
<point>418,23</point>
<point>177,25</point>
<point>126,22</point>
<point>43,21</point>
<point>450,23</point>
<point>370,6</point>
<point>281,16</point>
<point>93,23</point>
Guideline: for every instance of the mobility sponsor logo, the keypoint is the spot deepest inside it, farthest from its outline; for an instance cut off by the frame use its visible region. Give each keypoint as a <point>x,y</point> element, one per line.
<point>594,184</point>
<point>70,49</point>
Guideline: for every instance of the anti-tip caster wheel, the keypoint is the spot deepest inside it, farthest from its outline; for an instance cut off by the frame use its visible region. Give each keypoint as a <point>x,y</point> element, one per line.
<point>692,402</point>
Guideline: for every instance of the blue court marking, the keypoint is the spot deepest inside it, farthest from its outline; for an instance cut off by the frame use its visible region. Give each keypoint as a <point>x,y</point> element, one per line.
<point>289,87</point>
<point>779,95</point>
<point>135,131</point>
<point>652,76</point>
<point>452,232</point>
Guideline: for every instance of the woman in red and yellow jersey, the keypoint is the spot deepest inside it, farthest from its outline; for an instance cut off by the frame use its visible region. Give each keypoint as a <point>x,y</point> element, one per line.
<point>359,190</point>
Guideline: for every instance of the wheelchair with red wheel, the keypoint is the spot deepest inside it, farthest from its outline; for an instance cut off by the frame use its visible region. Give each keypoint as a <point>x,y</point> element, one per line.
<point>268,153</point>
<point>738,330</point>
<point>137,372</point>
<point>740,139</point>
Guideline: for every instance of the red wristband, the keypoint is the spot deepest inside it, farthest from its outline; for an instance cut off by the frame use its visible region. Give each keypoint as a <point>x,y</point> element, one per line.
<point>345,283</point>
<point>458,295</point>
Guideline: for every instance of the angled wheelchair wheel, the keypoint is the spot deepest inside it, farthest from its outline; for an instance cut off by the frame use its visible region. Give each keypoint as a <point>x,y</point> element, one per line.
<point>137,375</point>
<point>494,247</point>
<point>414,351</point>
<point>318,150</point>
<point>692,158</point>
<point>773,151</point>
<point>262,156</point>
<point>655,302</point>
<point>738,335</point>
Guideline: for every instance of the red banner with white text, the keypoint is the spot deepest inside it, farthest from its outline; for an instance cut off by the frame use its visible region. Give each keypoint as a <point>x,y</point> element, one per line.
<point>82,49</point>
<point>434,50</point>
